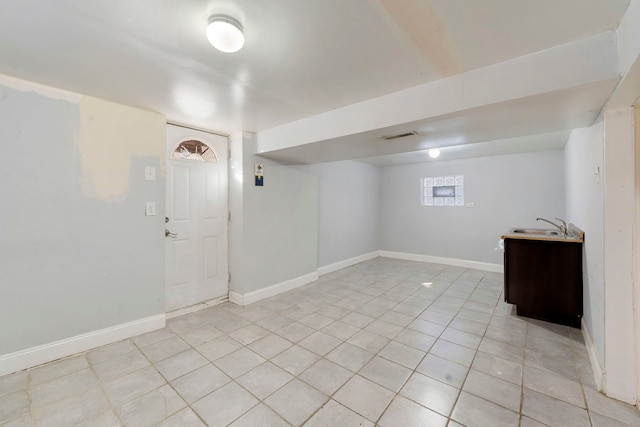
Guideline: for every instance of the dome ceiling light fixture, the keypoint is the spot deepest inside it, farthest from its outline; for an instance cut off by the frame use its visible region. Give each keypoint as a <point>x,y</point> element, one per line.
<point>225,33</point>
<point>434,153</point>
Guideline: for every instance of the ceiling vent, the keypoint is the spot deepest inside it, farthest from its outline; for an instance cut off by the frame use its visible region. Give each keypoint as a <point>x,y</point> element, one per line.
<point>401,135</point>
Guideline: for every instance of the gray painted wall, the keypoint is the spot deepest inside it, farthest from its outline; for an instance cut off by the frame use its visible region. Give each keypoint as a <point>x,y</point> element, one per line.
<point>508,191</point>
<point>71,263</point>
<point>585,200</point>
<point>273,232</point>
<point>348,220</point>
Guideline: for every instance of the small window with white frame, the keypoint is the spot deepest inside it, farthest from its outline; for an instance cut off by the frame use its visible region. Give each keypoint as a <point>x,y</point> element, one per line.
<point>442,190</point>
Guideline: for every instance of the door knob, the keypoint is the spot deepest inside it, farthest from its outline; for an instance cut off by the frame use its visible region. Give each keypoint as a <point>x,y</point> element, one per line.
<point>167,233</point>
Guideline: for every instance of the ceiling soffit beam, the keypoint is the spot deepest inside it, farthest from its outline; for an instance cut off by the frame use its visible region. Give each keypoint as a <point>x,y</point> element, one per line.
<point>570,65</point>
<point>528,143</point>
<point>628,91</point>
<point>628,38</point>
<point>549,112</point>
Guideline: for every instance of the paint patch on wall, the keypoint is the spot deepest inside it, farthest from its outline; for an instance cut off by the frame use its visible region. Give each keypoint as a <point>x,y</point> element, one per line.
<point>109,136</point>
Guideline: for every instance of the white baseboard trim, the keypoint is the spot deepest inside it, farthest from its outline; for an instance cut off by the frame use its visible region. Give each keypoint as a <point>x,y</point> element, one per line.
<point>347,263</point>
<point>196,307</point>
<point>41,354</point>
<point>278,288</point>
<point>598,371</point>
<point>484,266</point>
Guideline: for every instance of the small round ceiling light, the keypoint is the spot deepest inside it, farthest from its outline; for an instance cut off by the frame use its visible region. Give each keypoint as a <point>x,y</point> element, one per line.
<point>225,34</point>
<point>434,153</point>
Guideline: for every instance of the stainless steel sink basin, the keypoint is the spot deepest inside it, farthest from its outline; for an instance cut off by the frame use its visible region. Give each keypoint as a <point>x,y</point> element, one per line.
<point>536,231</point>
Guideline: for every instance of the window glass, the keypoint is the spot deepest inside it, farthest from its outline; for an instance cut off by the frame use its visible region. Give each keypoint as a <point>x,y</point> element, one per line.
<point>195,150</point>
<point>442,190</point>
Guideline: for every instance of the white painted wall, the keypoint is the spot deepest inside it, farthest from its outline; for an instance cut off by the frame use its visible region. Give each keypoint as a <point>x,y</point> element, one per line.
<point>236,191</point>
<point>636,248</point>
<point>273,230</point>
<point>621,224</point>
<point>508,191</point>
<point>584,164</point>
<point>619,207</point>
<point>348,223</point>
<point>77,253</point>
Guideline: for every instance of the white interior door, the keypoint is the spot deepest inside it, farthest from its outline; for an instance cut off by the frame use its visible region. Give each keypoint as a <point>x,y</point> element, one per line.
<point>197,217</point>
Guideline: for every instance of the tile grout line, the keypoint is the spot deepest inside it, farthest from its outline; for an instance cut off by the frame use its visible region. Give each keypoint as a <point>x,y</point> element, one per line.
<point>357,373</point>
<point>524,361</point>
<point>139,348</point>
<point>468,370</point>
<point>439,337</point>
<point>32,412</point>
<point>102,388</point>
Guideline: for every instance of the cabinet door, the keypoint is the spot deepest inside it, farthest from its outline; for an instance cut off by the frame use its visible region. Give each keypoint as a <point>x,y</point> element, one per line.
<point>544,279</point>
<point>508,294</point>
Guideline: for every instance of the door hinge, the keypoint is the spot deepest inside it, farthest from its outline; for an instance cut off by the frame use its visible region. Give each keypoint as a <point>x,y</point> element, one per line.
<point>229,277</point>
<point>229,216</point>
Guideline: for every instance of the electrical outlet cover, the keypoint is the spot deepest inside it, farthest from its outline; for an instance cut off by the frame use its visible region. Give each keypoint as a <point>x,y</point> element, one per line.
<point>150,173</point>
<point>150,209</point>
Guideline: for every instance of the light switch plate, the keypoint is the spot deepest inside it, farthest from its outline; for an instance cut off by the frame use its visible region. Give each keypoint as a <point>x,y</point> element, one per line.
<point>150,173</point>
<point>150,209</point>
<point>471,205</point>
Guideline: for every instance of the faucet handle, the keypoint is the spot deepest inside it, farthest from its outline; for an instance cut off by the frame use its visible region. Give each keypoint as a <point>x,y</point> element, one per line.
<point>564,226</point>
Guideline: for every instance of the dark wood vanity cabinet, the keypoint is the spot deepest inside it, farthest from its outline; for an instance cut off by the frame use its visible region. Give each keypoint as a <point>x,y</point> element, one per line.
<point>543,278</point>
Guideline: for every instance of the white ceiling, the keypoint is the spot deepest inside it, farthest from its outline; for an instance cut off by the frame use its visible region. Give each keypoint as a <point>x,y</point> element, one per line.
<point>301,59</point>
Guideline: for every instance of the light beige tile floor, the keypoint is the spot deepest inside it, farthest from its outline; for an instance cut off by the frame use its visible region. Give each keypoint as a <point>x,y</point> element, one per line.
<point>384,342</point>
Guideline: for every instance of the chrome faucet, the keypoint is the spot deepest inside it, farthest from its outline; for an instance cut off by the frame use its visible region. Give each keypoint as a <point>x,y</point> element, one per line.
<point>562,227</point>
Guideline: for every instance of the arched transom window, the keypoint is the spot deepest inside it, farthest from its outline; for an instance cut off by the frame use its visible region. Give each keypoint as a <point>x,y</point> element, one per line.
<point>193,149</point>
